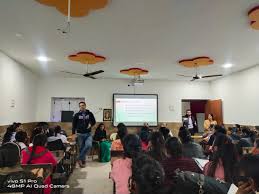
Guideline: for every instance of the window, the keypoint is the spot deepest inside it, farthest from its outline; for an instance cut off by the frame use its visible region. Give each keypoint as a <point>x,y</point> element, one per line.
<point>63,104</point>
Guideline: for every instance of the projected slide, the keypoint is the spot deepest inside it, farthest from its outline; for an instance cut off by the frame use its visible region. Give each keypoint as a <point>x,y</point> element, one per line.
<point>134,110</point>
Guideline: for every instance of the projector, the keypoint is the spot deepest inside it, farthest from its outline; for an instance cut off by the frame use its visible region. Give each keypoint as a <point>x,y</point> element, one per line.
<point>137,82</point>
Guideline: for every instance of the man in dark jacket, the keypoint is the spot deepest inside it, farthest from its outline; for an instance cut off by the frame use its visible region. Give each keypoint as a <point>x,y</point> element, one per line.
<point>82,124</point>
<point>190,122</point>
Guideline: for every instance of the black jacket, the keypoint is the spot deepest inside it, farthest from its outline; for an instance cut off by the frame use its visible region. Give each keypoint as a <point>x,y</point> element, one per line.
<point>99,134</point>
<point>81,121</point>
<point>186,122</point>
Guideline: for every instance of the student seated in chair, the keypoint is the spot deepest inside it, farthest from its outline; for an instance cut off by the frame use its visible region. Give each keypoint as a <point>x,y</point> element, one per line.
<point>39,154</point>
<point>190,148</point>
<point>101,137</point>
<point>21,138</point>
<point>156,146</point>
<point>54,142</point>
<point>223,160</point>
<point>121,168</point>
<point>147,176</point>
<point>176,160</point>
<point>9,135</point>
<point>247,175</point>
<point>164,130</point>
<point>11,170</point>
<point>59,134</point>
<point>122,132</point>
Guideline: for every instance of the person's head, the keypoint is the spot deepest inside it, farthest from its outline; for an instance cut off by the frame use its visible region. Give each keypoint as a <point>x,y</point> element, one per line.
<point>57,129</point>
<point>8,134</point>
<point>224,151</point>
<point>188,112</point>
<point>146,125</point>
<point>144,136</point>
<point>51,132</point>
<point>210,117</point>
<point>220,130</point>
<point>147,176</point>
<point>248,171</point>
<point>10,154</point>
<point>174,147</point>
<point>36,131</point>
<point>122,131</point>
<point>21,136</point>
<point>131,145</point>
<point>156,144</point>
<point>245,131</point>
<point>101,126</point>
<point>256,143</point>
<point>43,125</point>
<point>184,135</point>
<point>17,126</point>
<point>82,106</point>
<point>220,140</point>
<point>162,125</point>
<point>40,140</point>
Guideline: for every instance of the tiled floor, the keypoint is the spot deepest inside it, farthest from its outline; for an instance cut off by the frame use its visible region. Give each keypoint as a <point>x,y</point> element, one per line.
<point>94,179</point>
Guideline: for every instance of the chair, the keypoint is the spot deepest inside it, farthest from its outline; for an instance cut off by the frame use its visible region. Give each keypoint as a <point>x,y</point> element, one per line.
<point>95,150</point>
<point>56,145</point>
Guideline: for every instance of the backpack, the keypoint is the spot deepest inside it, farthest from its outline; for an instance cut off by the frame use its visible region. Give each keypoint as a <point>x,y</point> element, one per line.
<point>194,183</point>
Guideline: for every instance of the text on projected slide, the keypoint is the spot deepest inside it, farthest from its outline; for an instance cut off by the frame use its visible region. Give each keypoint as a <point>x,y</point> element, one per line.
<point>132,110</point>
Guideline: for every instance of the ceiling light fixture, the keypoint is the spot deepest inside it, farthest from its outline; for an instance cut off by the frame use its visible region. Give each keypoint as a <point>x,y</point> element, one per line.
<point>227,65</point>
<point>43,59</point>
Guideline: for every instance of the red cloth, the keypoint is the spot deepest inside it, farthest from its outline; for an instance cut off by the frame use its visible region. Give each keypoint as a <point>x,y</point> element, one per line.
<point>144,146</point>
<point>44,159</point>
<point>182,163</point>
<point>219,172</point>
<point>255,151</point>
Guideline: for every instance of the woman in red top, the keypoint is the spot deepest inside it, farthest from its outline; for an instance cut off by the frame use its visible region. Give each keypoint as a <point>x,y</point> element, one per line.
<point>39,154</point>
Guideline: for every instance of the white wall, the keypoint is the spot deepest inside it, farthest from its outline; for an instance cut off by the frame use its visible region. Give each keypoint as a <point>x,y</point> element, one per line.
<point>240,95</point>
<point>98,94</point>
<point>17,84</point>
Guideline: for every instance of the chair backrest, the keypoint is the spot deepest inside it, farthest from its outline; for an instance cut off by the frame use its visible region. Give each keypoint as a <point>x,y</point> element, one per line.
<point>56,145</point>
<point>113,136</point>
<point>115,153</point>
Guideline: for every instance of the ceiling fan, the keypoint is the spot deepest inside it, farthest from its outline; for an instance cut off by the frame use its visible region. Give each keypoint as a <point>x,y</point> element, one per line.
<point>87,74</point>
<point>197,76</point>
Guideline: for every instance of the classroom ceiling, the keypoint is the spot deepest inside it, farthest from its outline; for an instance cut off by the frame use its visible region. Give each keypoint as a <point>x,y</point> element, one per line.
<point>150,34</point>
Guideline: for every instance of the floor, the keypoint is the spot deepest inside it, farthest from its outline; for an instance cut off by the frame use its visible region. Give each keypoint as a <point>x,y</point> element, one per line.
<point>94,179</point>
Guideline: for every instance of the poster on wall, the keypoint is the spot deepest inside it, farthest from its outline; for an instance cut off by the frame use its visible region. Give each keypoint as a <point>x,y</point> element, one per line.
<point>107,114</point>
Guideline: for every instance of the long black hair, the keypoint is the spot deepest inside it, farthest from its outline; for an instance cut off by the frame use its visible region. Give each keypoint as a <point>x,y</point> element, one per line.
<point>57,130</point>
<point>9,154</point>
<point>8,134</point>
<point>122,131</point>
<point>174,147</point>
<point>226,153</point>
<point>157,150</point>
<point>248,167</point>
<point>131,145</point>
<point>148,175</point>
<point>36,131</point>
<point>38,140</point>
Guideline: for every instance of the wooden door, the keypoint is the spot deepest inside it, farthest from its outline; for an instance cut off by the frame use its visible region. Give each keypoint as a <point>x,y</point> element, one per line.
<point>215,107</point>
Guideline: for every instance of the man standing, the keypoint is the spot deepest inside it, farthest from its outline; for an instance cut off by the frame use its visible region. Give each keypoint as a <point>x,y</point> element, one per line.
<point>82,123</point>
<point>189,122</point>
